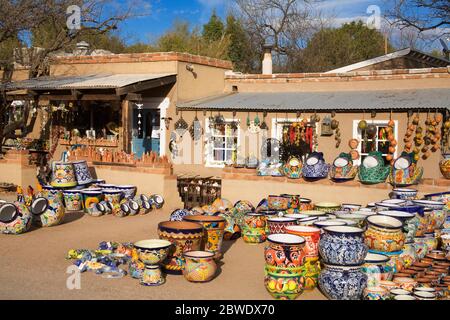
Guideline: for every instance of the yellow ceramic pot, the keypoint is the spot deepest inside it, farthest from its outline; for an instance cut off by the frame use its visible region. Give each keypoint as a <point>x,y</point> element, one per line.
<point>444,165</point>
<point>199,266</point>
<point>384,234</point>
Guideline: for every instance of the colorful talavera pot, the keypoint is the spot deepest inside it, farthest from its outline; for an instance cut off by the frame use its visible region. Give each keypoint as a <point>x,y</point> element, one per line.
<point>343,168</point>
<point>343,245</point>
<point>254,236</point>
<point>214,228</point>
<point>312,237</point>
<point>328,207</point>
<point>82,173</point>
<point>441,196</point>
<point>306,204</point>
<point>199,266</point>
<point>409,254</point>
<point>54,212</point>
<point>376,268</point>
<point>444,165</point>
<point>293,168</point>
<point>63,175</point>
<point>395,263</point>
<point>384,234</point>
<point>315,167</point>
<point>373,170</point>
<point>405,172</point>
<point>342,283</point>
<point>90,198</point>
<point>73,200</point>
<point>279,224</point>
<point>310,271</point>
<point>376,294</point>
<point>280,203</point>
<point>255,220</point>
<point>15,218</point>
<point>128,191</point>
<point>285,251</point>
<point>405,193</point>
<point>283,284</point>
<point>410,222</point>
<point>185,236</point>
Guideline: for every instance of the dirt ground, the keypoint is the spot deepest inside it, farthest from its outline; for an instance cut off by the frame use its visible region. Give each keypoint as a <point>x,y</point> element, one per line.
<point>33,265</point>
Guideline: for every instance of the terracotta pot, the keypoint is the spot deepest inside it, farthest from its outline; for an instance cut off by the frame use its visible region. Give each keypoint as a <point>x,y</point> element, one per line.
<point>405,283</point>
<point>214,229</point>
<point>186,236</point>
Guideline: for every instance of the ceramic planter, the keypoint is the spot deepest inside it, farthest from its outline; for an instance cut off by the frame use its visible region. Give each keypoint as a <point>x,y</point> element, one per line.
<point>279,224</point>
<point>280,203</point>
<point>342,283</point>
<point>285,251</point>
<point>255,221</point>
<point>343,245</point>
<point>405,194</point>
<point>441,196</point>
<point>410,222</point>
<point>373,170</point>
<point>63,175</point>
<point>343,169</point>
<point>310,271</point>
<point>114,197</point>
<point>15,218</point>
<point>293,168</point>
<point>405,172</point>
<point>444,165</point>
<point>384,234</point>
<point>283,285</point>
<point>73,200</point>
<point>82,173</point>
<point>185,236</point>
<point>199,266</point>
<point>54,212</point>
<point>376,294</point>
<point>315,167</point>
<point>136,269</point>
<point>376,268</point>
<point>312,237</point>
<point>409,254</point>
<point>129,192</point>
<point>395,263</point>
<point>254,236</point>
<point>359,219</point>
<point>90,199</point>
<point>306,204</point>
<point>328,207</point>
<point>293,202</point>
<point>214,228</point>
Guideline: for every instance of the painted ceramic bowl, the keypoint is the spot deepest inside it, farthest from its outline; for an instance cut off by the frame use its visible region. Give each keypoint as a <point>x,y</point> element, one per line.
<point>128,191</point>
<point>179,214</point>
<point>405,193</point>
<point>152,252</point>
<point>328,207</point>
<point>284,285</point>
<point>312,237</point>
<point>285,251</point>
<point>376,294</point>
<point>254,236</point>
<point>343,245</point>
<point>404,283</point>
<point>377,269</point>
<point>435,205</point>
<point>279,224</point>
<point>342,283</point>
<point>185,236</point>
<point>328,223</point>
<point>350,207</point>
<point>384,234</point>
<point>199,266</point>
<point>296,216</point>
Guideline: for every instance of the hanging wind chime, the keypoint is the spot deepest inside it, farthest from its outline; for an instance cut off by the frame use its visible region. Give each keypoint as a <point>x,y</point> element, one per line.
<point>140,108</point>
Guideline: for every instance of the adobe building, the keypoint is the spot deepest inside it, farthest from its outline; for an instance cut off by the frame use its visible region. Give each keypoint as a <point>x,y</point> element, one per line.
<point>200,118</point>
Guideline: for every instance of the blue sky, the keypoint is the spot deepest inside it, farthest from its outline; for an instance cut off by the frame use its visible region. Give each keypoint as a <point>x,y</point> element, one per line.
<point>164,12</point>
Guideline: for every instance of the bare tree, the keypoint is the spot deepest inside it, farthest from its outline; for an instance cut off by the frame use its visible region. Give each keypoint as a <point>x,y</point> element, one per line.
<point>286,23</point>
<point>43,24</point>
<point>422,15</point>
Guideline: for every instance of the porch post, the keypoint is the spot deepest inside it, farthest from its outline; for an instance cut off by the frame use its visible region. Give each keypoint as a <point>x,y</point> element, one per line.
<point>126,125</point>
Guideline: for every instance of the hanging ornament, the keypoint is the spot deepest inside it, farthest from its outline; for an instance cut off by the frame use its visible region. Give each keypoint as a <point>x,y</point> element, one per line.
<point>196,129</point>
<point>257,121</point>
<point>181,126</point>
<point>234,123</point>
<point>139,106</point>
<point>248,120</point>
<point>264,124</point>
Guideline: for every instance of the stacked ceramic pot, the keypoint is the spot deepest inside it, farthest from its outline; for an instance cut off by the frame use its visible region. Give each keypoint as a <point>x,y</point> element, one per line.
<point>285,258</point>
<point>311,266</point>
<point>343,252</point>
<point>254,228</point>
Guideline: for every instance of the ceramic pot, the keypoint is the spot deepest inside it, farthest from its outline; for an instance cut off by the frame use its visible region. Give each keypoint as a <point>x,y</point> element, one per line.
<point>105,186</point>
<point>409,254</point>
<point>431,242</point>
<point>285,251</point>
<point>343,246</point>
<point>279,224</point>
<point>311,270</point>
<point>315,167</point>
<point>152,253</point>
<point>185,236</point>
<point>280,203</point>
<point>293,201</point>
<point>395,263</point>
<point>54,213</point>
<point>359,219</point>
<point>15,218</point>
<point>255,221</point>
<point>405,193</point>
<point>114,197</point>
<point>82,173</point>
<point>283,284</point>
<point>63,175</point>
<point>376,268</point>
<point>410,222</point>
<point>306,204</point>
<point>328,223</point>
<point>199,266</point>
<point>376,293</point>
<point>134,207</point>
<point>136,269</point>
<point>214,228</point>
<point>73,200</point>
<point>328,207</point>
<point>384,234</point>
<point>373,170</point>
<point>254,236</point>
<point>407,284</point>
<point>129,192</point>
<point>144,206</point>
<point>343,169</point>
<point>90,199</point>
<point>441,196</point>
<point>342,283</point>
<point>350,207</point>
<point>157,201</point>
<point>293,168</point>
<point>152,276</point>
<point>312,237</point>
<point>444,165</point>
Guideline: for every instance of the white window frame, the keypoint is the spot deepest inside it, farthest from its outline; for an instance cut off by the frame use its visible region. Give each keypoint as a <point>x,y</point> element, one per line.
<point>357,134</point>
<point>209,147</point>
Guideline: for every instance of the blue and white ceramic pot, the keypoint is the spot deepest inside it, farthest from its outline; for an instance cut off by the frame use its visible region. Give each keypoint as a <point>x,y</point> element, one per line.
<point>82,173</point>
<point>343,283</point>
<point>343,245</point>
<point>405,193</point>
<point>376,268</point>
<point>179,214</point>
<point>315,167</point>
<point>129,191</point>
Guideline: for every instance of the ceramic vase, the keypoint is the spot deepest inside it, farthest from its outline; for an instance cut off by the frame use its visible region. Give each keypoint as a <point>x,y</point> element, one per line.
<point>376,268</point>
<point>214,228</point>
<point>82,173</point>
<point>152,253</point>
<point>199,266</point>
<point>343,283</point>
<point>311,236</point>
<point>185,236</point>
<point>384,234</point>
<point>343,245</point>
<point>285,251</point>
<point>284,284</point>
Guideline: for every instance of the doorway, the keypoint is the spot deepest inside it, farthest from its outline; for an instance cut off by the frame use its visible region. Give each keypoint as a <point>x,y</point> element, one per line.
<point>146,131</point>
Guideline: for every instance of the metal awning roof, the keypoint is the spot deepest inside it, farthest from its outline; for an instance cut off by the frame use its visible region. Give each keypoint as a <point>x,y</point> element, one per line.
<point>338,100</point>
<point>110,81</point>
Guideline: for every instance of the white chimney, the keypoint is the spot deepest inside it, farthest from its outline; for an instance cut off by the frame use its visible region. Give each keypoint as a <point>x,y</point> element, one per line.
<point>267,61</point>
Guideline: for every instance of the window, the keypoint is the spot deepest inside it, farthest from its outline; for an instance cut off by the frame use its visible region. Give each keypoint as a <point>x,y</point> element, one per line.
<point>379,143</point>
<point>222,144</point>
